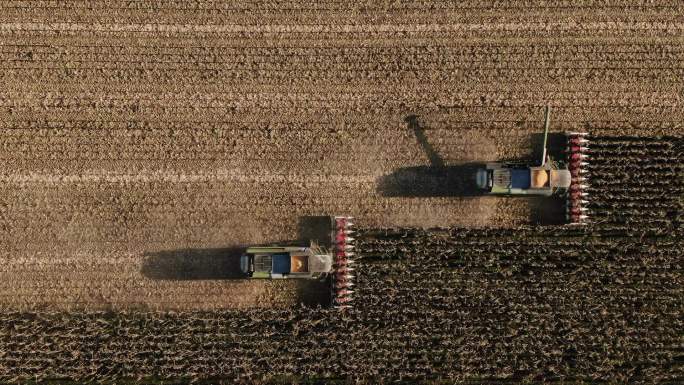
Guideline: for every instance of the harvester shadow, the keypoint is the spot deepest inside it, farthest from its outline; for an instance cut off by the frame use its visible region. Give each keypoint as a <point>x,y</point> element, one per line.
<point>434,180</point>
<point>419,131</point>
<point>429,181</point>
<point>547,211</point>
<point>313,292</point>
<point>556,143</point>
<point>315,228</point>
<point>193,264</point>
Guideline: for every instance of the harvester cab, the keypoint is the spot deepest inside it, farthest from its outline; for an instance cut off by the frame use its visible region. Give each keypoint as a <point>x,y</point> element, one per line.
<point>551,178</point>
<point>330,262</point>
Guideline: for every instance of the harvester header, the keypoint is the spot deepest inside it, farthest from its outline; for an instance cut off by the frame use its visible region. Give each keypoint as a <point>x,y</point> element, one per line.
<point>342,278</point>
<point>577,161</point>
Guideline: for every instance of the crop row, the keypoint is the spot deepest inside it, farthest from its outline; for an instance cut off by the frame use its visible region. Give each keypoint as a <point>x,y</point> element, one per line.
<point>635,180</point>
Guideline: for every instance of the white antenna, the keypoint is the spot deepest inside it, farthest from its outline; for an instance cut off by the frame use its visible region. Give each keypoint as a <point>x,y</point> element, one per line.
<point>547,121</point>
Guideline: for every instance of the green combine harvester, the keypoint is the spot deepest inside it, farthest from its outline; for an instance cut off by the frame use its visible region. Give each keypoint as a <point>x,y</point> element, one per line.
<point>551,178</point>
<point>330,262</point>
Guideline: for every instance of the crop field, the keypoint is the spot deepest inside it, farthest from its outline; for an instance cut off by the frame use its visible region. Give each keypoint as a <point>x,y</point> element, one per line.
<point>601,302</point>
<point>144,143</point>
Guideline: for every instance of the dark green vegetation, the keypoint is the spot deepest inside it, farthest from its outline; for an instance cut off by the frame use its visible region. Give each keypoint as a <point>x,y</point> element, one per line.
<point>602,302</point>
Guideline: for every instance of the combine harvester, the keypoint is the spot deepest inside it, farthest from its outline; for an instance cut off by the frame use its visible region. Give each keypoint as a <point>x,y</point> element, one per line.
<point>331,263</point>
<point>551,178</point>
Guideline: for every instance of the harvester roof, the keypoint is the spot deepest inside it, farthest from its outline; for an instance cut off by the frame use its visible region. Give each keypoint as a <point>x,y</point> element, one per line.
<point>320,263</point>
<point>560,178</point>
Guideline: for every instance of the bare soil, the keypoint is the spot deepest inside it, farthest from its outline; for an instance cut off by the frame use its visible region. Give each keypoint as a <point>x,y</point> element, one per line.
<point>143,142</point>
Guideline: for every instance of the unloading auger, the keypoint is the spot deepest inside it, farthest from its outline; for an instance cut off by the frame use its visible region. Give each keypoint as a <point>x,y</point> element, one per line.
<point>568,178</point>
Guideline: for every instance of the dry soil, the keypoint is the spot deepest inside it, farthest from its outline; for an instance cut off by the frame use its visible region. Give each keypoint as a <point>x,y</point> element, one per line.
<point>141,142</point>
